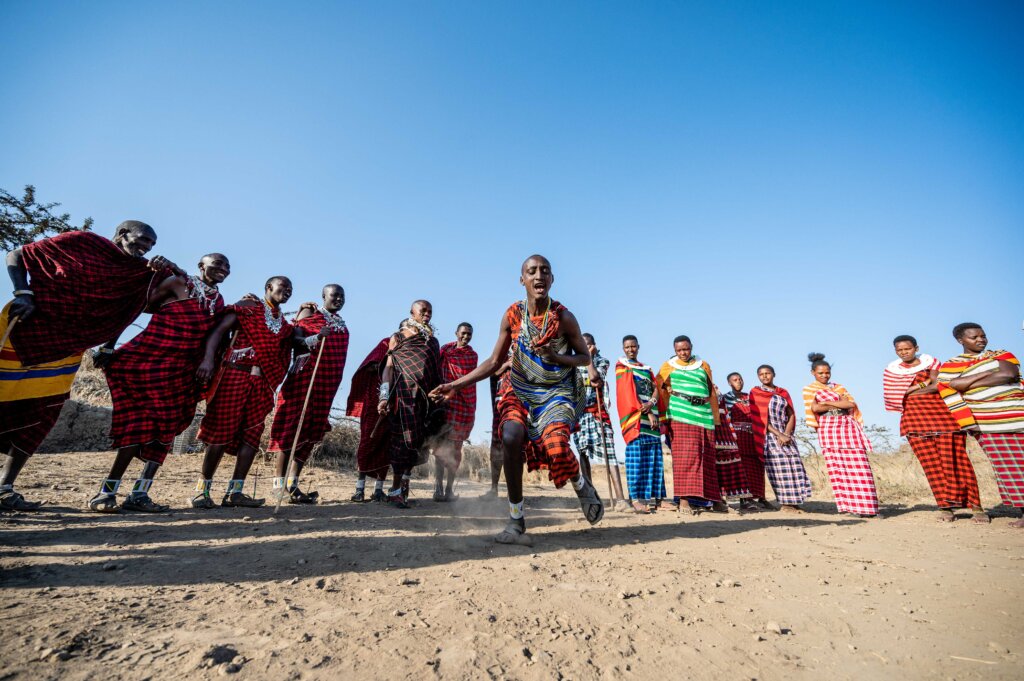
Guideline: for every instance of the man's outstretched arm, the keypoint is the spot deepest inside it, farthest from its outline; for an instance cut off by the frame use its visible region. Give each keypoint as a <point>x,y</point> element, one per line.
<point>487,368</point>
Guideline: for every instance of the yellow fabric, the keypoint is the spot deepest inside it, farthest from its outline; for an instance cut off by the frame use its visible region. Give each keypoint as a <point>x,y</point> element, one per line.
<point>43,380</point>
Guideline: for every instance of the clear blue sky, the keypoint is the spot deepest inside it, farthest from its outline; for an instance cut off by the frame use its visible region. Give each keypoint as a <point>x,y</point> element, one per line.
<point>769,178</point>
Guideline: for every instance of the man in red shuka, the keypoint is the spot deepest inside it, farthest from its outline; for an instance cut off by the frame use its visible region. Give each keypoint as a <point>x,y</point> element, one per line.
<point>253,367</point>
<point>152,379</point>
<point>72,292</point>
<point>330,367</point>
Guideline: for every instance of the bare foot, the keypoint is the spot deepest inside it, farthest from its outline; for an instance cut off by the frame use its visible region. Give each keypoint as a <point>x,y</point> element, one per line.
<point>1018,524</point>
<point>946,515</point>
<point>639,507</point>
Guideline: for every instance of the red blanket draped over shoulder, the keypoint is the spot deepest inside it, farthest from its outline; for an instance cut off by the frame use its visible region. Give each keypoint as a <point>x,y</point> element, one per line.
<point>372,454</point>
<point>272,351</point>
<point>456,362</point>
<point>86,291</point>
<point>759,399</point>
<point>293,393</point>
<point>152,377</point>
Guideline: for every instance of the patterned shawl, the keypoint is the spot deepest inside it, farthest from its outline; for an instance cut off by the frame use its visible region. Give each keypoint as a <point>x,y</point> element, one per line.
<point>813,388</point>
<point>760,411</point>
<point>994,409</point>
<point>87,291</point>
<point>631,420</point>
<point>898,376</point>
<point>456,362</point>
<point>551,393</point>
<point>693,379</point>
<point>417,364</point>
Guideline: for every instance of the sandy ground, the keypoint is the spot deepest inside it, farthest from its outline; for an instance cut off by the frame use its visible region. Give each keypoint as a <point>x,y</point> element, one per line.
<point>343,589</point>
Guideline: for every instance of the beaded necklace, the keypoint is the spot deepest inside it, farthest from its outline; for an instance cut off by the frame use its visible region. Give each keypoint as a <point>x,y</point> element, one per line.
<point>333,320</point>
<point>273,323</point>
<point>426,330</point>
<point>203,293</point>
<point>528,323</point>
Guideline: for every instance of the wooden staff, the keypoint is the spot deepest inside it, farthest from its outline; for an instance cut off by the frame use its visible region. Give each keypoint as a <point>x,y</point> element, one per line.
<point>7,333</point>
<point>220,372</point>
<point>604,445</point>
<point>302,417</point>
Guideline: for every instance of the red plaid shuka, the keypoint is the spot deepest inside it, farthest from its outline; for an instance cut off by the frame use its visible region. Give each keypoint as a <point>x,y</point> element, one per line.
<point>152,377</point>
<point>1006,452</point>
<point>460,413</point>
<point>86,291</point>
<point>26,423</point>
<point>293,393</point>
<point>413,415</point>
<point>760,398</point>
<point>237,412</point>
<point>732,478</point>
<point>742,424</point>
<point>374,442</point>
<point>694,466</point>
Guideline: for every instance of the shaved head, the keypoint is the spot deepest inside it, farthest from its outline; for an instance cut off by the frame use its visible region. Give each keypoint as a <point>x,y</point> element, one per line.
<point>418,303</point>
<point>332,287</point>
<point>134,227</point>
<point>277,278</point>
<point>209,257</point>
<point>537,257</point>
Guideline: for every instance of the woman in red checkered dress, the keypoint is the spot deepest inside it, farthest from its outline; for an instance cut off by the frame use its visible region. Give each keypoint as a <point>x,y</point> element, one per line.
<point>832,411</point>
<point>910,388</point>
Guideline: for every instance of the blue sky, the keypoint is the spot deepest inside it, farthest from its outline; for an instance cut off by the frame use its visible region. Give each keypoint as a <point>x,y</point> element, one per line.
<point>768,178</point>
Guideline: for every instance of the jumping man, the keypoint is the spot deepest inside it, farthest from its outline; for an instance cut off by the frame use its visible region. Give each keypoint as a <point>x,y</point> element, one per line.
<point>543,397</point>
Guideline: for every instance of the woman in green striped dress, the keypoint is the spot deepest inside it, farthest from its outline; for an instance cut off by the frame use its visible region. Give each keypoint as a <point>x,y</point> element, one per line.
<point>687,395</point>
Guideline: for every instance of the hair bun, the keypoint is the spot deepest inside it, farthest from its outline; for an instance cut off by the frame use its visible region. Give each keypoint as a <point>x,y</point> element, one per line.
<point>815,356</point>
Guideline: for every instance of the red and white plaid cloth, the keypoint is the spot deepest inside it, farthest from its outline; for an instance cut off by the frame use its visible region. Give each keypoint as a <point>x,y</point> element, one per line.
<point>839,432</point>
<point>853,484</point>
<point>898,376</point>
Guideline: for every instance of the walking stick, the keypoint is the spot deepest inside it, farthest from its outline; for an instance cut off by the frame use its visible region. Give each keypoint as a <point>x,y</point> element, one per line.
<point>220,372</point>
<point>302,417</point>
<point>7,333</point>
<point>604,446</point>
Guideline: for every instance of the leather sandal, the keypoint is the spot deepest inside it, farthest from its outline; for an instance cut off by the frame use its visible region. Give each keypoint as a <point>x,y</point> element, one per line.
<point>514,533</point>
<point>590,503</point>
<point>299,497</point>
<point>104,503</point>
<point>143,504</point>
<point>238,499</point>
<point>202,501</point>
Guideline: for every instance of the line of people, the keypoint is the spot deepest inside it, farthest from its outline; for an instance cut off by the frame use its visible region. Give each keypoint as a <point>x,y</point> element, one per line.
<point>724,444</point>
<point>414,397</point>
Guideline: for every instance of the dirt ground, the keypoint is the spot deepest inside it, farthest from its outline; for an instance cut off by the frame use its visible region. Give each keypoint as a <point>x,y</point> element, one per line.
<point>344,589</point>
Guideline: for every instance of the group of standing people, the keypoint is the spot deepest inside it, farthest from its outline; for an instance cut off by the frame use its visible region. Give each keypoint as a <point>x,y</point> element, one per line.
<point>415,397</point>
<point>722,444</point>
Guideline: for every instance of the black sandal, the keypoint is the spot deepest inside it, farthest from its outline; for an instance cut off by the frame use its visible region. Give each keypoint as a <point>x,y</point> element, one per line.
<point>104,503</point>
<point>359,496</point>
<point>300,497</point>
<point>143,504</point>
<point>590,503</point>
<point>238,499</point>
